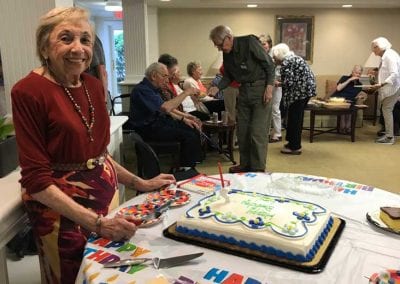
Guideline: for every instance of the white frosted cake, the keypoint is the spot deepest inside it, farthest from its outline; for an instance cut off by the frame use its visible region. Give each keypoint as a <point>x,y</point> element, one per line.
<point>283,227</point>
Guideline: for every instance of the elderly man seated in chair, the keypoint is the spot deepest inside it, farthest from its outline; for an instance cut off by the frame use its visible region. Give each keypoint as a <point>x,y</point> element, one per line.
<point>155,120</point>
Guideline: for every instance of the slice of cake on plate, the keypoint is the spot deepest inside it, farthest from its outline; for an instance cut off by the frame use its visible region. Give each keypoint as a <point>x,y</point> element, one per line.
<point>391,217</point>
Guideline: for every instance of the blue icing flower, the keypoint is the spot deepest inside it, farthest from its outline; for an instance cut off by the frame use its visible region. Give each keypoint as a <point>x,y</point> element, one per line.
<point>256,223</point>
<point>204,211</point>
<point>302,216</point>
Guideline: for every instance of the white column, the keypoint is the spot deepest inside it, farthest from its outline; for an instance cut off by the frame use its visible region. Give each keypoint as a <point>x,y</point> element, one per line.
<point>135,40</point>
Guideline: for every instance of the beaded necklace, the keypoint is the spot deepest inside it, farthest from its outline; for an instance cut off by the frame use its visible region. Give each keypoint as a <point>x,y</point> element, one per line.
<point>88,125</point>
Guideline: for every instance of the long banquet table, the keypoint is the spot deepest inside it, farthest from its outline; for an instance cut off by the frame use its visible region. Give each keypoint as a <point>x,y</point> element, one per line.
<point>362,249</point>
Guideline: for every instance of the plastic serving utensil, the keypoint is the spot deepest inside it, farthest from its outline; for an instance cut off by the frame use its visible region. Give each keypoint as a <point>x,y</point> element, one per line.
<point>156,261</point>
<point>155,214</point>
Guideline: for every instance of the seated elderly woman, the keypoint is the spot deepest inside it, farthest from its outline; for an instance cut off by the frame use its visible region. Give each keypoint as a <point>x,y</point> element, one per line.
<point>204,103</point>
<point>68,179</point>
<point>187,108</point>
<point>349,87</point>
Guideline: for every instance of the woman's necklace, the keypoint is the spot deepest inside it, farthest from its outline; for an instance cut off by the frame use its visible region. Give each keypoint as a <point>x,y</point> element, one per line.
<point>89,125</point>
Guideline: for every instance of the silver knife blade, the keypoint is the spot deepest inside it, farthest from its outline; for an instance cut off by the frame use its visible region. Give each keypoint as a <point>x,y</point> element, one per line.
<point>126,262</point>
<point>174,261</point>
<point>157,262</point>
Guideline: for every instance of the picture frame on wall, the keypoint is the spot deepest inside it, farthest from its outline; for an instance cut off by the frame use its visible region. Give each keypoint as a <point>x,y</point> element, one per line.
<point>298,33</point>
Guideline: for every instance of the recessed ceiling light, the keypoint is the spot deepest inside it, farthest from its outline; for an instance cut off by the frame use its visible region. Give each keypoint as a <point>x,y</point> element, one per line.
<point>165,0</point>
<point>252,5</point>
<point>113,7</point>
<point>347,6</point>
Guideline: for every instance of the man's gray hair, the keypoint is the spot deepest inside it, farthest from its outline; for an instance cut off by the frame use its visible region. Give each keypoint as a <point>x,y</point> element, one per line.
<point>220,32</point>
<point>153,67</point>
<point>382,43</point>
<point>280,51</point>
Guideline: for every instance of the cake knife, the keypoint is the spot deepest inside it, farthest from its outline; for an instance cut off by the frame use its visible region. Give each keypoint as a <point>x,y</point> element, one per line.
<point>156,261</point>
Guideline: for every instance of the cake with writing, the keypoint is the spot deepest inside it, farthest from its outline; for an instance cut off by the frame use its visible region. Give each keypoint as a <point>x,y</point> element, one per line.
<point>282,227</point>
<point>391,217</point>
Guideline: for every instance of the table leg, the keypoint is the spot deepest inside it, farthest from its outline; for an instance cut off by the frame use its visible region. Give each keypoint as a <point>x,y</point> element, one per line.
<point>230,146</point>
<point>353,124</point>
<point>338,117</point>
<point>312,122</point>
<point>3,266</point>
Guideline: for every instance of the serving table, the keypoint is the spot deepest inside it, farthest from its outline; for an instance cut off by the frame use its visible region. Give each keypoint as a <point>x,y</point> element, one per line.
<point>362,249</point>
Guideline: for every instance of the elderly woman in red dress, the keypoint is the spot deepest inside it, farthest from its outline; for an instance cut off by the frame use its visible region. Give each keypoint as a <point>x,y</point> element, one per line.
<point>61,122</point>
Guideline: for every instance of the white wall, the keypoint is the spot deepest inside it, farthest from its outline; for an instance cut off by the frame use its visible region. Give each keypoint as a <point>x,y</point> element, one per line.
<point>341,37</point>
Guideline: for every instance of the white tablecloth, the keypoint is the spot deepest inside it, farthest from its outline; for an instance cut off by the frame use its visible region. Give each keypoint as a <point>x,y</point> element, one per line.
<point>361,250</point>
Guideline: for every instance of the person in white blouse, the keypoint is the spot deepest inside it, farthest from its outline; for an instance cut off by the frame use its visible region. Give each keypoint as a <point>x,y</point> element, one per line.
<point>205,103</point>
<point>388,84</point>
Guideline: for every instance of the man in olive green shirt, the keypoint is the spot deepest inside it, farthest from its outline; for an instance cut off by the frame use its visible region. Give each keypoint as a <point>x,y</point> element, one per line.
<point>246,62</point>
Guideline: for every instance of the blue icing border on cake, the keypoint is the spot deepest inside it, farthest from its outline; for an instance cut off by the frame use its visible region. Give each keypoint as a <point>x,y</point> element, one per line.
<point>317,210</point>
<point>265,249</point>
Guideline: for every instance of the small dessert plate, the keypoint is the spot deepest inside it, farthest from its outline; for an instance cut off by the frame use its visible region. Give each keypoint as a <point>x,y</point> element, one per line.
<point>374,219</point>
<point>177,197</point>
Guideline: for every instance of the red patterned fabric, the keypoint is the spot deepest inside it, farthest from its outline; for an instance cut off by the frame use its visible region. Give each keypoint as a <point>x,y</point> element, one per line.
<point>60,241</point>
<point>49,130</point>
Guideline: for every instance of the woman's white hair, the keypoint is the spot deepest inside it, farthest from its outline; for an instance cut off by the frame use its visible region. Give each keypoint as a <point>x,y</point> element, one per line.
<point>281,51</point>
<point>382,43</point>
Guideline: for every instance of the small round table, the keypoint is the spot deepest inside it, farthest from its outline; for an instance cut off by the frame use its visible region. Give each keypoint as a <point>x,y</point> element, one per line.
<point>225,131</point>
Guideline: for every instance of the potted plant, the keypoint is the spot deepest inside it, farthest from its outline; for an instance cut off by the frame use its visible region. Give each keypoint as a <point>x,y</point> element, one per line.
<point>8,148</point>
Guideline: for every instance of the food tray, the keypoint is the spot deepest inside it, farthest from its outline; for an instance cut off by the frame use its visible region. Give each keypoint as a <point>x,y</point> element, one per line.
<point>337,106</point>
<point>316,265</point>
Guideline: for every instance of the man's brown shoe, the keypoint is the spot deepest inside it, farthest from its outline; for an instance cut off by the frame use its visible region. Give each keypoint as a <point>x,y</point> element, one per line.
<point>238,169</point>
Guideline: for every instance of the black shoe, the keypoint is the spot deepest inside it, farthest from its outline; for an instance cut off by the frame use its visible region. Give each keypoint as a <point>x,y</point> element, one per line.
<point>238,169</point>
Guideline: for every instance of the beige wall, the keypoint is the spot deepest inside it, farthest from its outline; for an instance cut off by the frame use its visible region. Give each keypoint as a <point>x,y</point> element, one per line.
<point>341,37</point>
<point>18,21</point>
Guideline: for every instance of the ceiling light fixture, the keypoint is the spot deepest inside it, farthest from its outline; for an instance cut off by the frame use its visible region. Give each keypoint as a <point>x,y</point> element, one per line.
<point>347,6</point>
<point>252,5</point>
<point>165,0</point>
<point>113,6</point>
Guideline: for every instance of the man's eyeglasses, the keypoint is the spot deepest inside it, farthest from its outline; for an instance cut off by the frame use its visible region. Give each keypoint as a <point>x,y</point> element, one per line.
<point>221,44</point>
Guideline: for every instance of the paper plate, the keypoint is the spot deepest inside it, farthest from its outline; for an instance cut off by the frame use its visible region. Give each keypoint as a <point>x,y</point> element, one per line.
<point>374,219</point>
<point>178,197</point>
<point>140,211</point>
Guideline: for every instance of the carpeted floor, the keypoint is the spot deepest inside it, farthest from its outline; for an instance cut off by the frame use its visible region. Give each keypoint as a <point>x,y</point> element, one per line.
<point>330,155</point>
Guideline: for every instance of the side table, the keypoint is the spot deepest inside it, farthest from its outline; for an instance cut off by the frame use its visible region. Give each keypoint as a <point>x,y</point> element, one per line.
<point>225,131</point>
<point>314,110</point>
